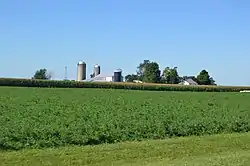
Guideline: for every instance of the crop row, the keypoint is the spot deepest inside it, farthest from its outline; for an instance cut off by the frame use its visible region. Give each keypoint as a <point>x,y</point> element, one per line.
<point>52,117</point>
<point>105,85</point>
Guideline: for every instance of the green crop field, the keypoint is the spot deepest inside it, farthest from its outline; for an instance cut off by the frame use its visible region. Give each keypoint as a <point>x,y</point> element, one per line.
<point>44,117</point>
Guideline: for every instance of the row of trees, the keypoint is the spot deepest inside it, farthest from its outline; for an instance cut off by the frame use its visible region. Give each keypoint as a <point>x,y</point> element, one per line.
<point>149,72</point>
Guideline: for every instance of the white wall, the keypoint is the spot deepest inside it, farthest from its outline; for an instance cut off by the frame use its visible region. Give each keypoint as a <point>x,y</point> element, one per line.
<point>186,83</point>
<point>110,79</point>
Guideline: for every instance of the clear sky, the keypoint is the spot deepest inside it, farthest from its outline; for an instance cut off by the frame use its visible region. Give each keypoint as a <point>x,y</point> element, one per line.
<point>192,35</point>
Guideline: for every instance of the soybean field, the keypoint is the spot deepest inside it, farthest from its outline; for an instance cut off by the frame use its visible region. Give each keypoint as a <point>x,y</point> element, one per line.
<point>53,117</point>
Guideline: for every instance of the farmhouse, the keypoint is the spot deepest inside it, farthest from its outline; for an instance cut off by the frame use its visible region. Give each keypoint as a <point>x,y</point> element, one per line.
<point>189,81</point>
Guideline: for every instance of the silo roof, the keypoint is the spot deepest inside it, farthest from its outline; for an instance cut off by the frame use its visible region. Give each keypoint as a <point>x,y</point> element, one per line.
<point>81,62</point>
<point>118,70</point>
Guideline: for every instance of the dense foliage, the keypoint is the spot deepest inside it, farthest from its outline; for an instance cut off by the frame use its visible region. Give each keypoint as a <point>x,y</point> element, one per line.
<point>51,117</point>
<point>204,79</point>
<point>109,85</point>
<point>42,74</point>
<point>170,76</point>
<point>149,72</point>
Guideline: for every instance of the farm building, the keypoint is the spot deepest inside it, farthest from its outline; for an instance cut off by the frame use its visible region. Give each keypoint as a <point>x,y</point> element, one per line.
<point>189,81</point>
<point>104,78</point>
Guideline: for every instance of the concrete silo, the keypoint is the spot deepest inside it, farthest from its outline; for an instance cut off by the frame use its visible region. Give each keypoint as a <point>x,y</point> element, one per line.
<point>97,70</point>
<point>81,71</point>
<point>118,75</point>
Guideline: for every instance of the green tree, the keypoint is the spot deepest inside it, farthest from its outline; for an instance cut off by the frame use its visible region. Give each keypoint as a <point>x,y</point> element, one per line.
<point>212,81</point>
<point>149,72</point>
<point>141,69</point>
<point>204,78</point>
<point>42,74</point>
<point>131,77</point>
<point>170,75</point>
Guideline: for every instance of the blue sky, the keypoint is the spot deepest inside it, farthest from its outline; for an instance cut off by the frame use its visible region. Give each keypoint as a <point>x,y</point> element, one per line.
<point>192,35</point>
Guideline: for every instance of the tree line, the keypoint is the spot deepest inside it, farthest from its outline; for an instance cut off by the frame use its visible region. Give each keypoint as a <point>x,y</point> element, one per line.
<point>149,72</point>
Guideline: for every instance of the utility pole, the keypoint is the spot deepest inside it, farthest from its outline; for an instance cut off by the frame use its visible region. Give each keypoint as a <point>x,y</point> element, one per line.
<point>65,73</point>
